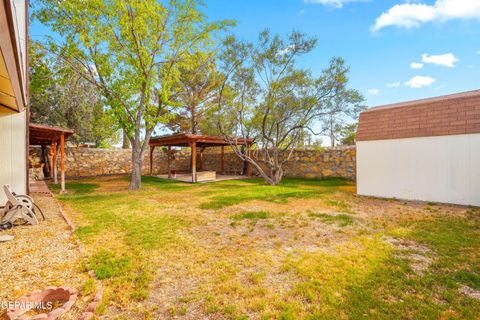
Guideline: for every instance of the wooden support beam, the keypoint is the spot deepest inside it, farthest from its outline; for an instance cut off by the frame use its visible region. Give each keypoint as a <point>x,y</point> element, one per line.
<point>193,146</point>
<point>151,159</point>
<point>249,166</point>
<point>201,158</point>
<point>54,164</point>
<point>169,150</point>
<point>62,162</point>
<point>222,160</point>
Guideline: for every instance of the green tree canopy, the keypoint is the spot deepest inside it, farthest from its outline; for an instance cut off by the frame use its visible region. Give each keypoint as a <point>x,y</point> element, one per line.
<point>60,97</point>
<point>269,98</point>
<point>132,51</point>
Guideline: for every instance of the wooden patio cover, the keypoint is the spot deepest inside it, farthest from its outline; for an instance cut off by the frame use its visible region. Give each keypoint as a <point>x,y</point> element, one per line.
<point>193,141</point>
<point>43,135</point>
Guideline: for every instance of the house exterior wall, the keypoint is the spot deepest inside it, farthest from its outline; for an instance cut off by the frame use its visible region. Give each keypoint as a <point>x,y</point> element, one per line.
<point>435,168</point>
<point>13,153</point>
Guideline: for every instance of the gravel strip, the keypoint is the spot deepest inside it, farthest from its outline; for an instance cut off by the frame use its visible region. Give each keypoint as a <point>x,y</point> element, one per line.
<point>41,256</point>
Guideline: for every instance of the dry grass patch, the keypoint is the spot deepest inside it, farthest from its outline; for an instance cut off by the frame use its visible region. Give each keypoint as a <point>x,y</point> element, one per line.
<point>307,249</point>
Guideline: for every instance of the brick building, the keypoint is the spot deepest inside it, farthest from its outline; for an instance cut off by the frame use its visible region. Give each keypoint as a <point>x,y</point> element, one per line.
<point>426,149</point>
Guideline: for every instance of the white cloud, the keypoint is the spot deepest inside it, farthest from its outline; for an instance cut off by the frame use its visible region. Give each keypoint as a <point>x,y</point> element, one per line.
<point>393,84</point>
<point>478,52</point>
<point>286,50</point>
<point>414,14</point>
<point>419,82</point>
<point>416,65</point>
<point>446,60</point>
<point>333,3</point>
<point>373,92</point>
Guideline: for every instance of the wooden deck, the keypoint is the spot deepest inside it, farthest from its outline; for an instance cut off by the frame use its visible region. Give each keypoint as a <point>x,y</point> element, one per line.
<point>187,177</point>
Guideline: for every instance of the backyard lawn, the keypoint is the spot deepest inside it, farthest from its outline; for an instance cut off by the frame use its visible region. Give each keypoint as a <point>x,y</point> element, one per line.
<point>308,249</point>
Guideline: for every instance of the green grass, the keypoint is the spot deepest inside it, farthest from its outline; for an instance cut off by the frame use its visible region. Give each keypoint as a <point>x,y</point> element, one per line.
<point>340,219</point>
<point>76,188</point>
<point>136,228</point>
<point>393,291</point>
<point>106,265</point>
<point>252,216</point>
<point>228,193</point>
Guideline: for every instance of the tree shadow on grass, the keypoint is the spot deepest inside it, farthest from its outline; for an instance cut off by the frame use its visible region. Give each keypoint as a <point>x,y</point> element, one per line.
<point>77,188</point>
<point>228,193</point>
<point>165,184</point>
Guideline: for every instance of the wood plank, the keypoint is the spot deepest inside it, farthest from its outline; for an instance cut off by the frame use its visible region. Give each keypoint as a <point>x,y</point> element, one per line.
<point>62,162</point>
<point>194,161</point>
<point>169,150</point>
<point>222,160</point>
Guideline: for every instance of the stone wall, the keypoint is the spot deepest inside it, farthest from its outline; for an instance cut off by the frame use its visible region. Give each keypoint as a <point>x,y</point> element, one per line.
<point>308,163</point>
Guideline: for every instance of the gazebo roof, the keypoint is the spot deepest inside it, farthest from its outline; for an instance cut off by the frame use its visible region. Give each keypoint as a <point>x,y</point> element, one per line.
<point>184,140</point>
<point>41,134</point>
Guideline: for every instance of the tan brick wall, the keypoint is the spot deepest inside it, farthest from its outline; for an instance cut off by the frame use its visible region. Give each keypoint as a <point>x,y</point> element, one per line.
<point>308,163</point>
<point>448,115</point>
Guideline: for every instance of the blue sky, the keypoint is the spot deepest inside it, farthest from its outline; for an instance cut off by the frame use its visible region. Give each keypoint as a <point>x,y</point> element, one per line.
<point>380,60</point>
<point>443,31</point>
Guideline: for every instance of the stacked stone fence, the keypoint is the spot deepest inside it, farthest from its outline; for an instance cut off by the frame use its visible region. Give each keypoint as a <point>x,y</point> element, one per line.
<point>304,163</point>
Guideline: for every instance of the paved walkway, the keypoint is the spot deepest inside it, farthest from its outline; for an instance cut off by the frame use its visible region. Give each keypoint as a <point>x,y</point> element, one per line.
<point>39,187</point>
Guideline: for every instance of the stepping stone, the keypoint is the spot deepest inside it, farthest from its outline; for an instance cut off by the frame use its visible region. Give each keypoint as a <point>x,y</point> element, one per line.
<point>6,238</point>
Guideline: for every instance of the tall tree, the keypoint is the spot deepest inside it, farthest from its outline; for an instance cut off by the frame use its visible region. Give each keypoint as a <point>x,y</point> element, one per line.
<point>342,108</point>
<point>199,82</point>
<point>60,97</point>
<point>132,51</point>
<point>274,101</point>
<point>347,134</point>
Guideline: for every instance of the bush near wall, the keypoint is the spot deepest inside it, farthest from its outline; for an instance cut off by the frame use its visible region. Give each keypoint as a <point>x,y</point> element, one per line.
<point>304,163</point>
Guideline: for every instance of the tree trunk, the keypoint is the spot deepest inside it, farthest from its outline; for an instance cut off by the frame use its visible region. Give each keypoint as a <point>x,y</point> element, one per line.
<point>126,141</point>
<point>194,119</point>
<point>136,178</point>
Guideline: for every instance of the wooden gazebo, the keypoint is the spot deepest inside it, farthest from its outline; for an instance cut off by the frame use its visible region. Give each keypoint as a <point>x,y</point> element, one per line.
<point>44,135</point>
<point>196,141</point>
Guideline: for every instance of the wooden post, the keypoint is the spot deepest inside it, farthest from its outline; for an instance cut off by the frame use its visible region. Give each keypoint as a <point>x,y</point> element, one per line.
<point>62,162</point>
<point>249,167</point>
<point>201,158</point>
<point>168,162</point>
<point>222,160</point>
<point>151,159</point>
<point>54,165</point>
<point>194,161</point>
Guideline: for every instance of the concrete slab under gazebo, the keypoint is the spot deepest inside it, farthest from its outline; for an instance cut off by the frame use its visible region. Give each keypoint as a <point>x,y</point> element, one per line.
<point>202,142</point>
<point>45,135</point>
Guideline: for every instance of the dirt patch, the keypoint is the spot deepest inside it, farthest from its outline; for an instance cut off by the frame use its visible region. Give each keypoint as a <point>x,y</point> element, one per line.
<point>469,292</point>
<point>419,256</point>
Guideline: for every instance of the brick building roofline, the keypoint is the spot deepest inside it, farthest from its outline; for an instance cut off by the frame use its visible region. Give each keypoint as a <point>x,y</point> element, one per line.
<point>466,94</point>
<point>445,115</point>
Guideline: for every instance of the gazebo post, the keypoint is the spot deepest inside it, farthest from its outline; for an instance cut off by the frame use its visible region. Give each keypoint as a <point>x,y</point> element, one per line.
<point>62,162</point>
<point>222,160</point>
<point>169,149</point>
<point>249,167</point>
<point>194,161</point>
<point>151,159</point>
<point>54,165</point>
